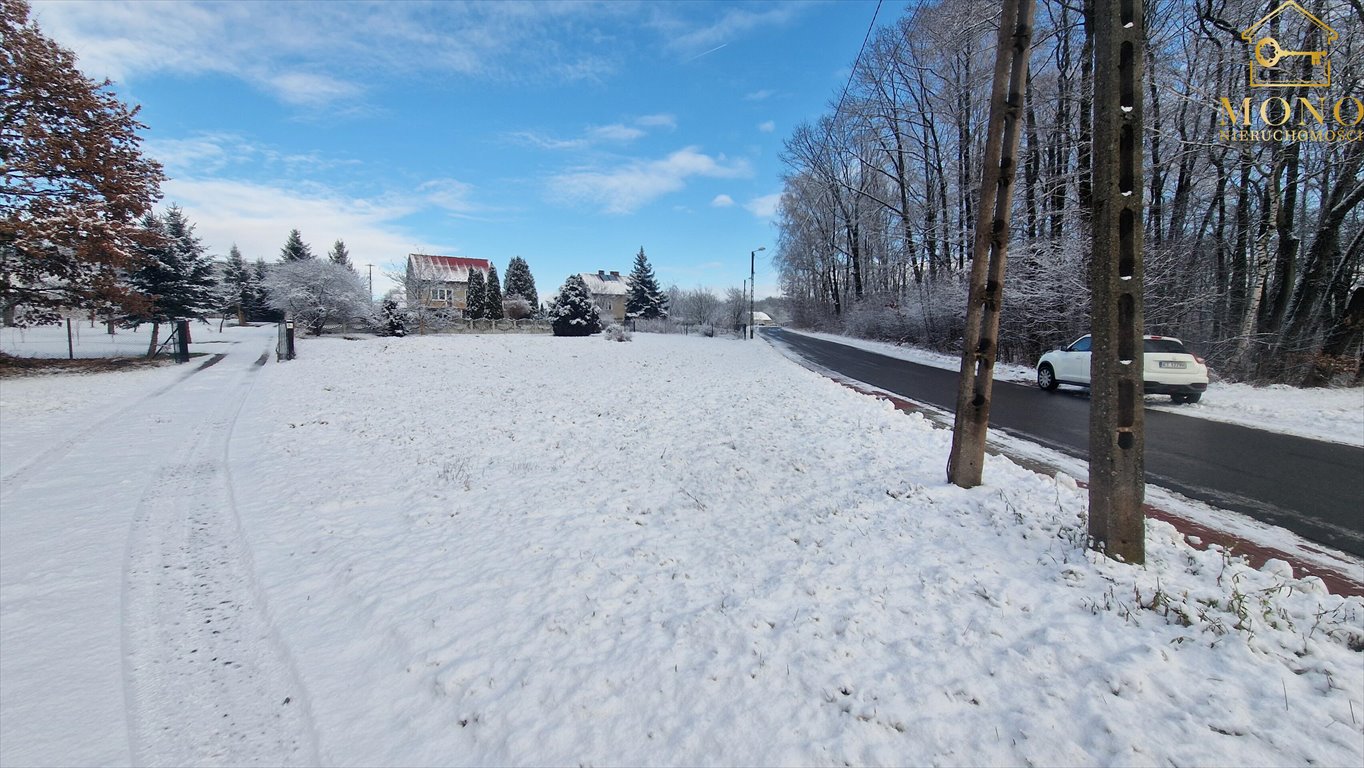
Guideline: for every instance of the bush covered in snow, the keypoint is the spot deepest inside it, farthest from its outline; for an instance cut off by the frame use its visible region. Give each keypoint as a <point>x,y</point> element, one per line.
<point>517,307</point>
<point>573,313</point>
<point>392,319</point>
<point>616,332</point>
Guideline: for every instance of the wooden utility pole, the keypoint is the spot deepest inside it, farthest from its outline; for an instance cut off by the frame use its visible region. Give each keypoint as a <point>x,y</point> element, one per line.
<point>1117,476</point>
<point>990,248</point>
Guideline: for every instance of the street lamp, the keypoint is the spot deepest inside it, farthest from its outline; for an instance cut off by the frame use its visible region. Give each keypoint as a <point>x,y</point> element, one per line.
<point>752,260</point>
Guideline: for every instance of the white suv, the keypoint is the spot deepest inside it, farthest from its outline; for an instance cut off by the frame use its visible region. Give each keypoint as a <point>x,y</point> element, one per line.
<point>1169,368</point>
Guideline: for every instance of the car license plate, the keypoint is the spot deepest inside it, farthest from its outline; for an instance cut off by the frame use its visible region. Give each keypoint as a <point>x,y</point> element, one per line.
<point>1173,364</point>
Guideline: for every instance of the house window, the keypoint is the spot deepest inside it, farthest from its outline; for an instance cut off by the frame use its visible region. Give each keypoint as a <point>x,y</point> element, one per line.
<point>442,294</point>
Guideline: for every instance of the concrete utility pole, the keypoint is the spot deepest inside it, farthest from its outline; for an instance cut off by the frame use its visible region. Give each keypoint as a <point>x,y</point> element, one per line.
<point>371,281</point>
<point>990,248</point>
<point>1117,472</point>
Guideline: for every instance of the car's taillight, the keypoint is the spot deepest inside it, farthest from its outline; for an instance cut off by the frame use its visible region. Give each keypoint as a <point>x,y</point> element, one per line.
<point>1200,360</point>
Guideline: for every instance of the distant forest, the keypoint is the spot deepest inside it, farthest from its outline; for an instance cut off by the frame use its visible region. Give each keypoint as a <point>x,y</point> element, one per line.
<point>1253,244</point>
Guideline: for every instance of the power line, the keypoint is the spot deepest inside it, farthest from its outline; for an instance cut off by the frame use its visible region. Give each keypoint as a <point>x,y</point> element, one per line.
<point>856,63</point>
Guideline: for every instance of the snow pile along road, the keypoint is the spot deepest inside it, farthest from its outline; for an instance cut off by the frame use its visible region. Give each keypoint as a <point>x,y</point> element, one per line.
<point>530,550</point>
<point>1333,415</point>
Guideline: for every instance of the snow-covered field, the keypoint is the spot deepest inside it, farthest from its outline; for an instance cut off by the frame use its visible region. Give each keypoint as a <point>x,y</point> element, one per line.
<point>529,550</point>
<point>1334,415</point>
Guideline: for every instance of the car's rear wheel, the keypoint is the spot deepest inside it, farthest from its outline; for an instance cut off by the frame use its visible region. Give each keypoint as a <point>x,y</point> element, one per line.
<point>1046,377</point>
<point>1189,398</point>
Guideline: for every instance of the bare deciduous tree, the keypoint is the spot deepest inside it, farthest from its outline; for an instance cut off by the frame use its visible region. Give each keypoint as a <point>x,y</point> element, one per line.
<point>1254,248</point>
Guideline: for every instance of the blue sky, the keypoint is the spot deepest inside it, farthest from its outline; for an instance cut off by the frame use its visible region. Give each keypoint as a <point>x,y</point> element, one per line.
<point>569,134</point>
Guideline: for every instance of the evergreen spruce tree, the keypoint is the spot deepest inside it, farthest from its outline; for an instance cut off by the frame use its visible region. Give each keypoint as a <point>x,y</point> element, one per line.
<point>391,320</point>
<point>240,283</point>
<point>519,281</point>
<point>573,313</point>
<point>295,249</point>
<point>476,296</point>
<point>339,255</point>
<point>494,296</point>
<point>260,304</point>
<point>644,299</point>
<point>173,271</point>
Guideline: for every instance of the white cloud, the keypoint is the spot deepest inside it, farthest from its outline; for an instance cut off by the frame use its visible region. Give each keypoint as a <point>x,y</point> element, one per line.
<point>543,141</point>
<point>722,201</point>
<point>764,207</point>
<point>615,132</point>
<point>451,195</point>
<point>313,54</point>
<point>206,152</point>
<point>627,188</point>
<point>762,95</point>
<point>258,217</point>
<point>659,120</point>
<point>302,89</point>
<point>212,152</point>
<point>767,126</point>
<point>734,23</point>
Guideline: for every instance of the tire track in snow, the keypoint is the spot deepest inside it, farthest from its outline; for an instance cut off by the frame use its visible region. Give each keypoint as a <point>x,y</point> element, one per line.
<point>12,482</point>
<point>208,679</point>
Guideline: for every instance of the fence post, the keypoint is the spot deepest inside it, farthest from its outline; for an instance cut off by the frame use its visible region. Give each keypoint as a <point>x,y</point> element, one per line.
<point>284,347</point>
<point>182,341</point>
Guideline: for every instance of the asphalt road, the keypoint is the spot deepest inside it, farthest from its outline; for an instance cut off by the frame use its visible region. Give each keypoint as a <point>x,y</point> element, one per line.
<point>1313,488</point>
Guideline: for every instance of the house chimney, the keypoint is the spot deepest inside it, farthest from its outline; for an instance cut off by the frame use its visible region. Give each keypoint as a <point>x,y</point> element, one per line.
<point>601,275</point>
<point>615,274</point>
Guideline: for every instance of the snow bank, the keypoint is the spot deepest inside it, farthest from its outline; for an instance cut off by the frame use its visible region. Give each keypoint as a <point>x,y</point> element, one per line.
<point>1334,415</point>
<point>531,550</point>
<point>40,412</point>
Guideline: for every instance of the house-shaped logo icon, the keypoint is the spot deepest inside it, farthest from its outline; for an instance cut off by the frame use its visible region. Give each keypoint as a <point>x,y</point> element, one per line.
<point>1288,49</point>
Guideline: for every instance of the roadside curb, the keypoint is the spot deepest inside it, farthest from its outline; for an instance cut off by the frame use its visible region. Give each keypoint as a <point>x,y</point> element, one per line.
<point>1196,534</point>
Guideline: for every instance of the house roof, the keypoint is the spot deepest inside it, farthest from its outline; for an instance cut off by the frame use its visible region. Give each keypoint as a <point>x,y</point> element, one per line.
<point>761,317</point>
<point>606,283</point>
<point>452,269</point>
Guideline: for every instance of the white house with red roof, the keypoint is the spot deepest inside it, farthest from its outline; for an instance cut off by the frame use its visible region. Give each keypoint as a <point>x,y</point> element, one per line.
<point>440,282</point>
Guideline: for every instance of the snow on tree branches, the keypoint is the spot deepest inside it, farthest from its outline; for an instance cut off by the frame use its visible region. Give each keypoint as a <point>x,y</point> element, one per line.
<point>644,299</point>
<point>73,180</point>
<point>392,319</point>
<point>519,282</point>
<point>295,249</point>
<point>314,293</point>
<point>239,282</point>
<point>476,296</point>
<point>339,255</point>
<point>173,271</point>
<point>573,313</point>
<point>493,302</point>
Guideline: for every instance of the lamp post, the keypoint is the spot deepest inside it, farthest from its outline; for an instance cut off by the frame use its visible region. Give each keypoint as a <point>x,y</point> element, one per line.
<point>752,261</point>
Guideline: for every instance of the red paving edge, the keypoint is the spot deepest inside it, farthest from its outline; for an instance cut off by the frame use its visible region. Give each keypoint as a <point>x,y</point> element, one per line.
<point>1197,535</point>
